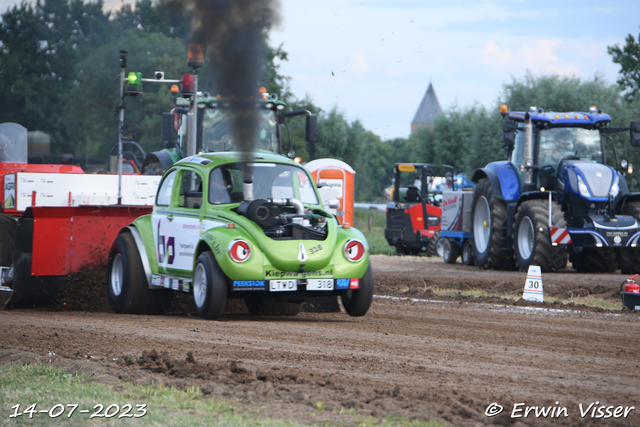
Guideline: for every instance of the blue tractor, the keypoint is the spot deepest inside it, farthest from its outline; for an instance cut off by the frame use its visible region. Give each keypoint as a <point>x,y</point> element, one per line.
<point>556,198</point>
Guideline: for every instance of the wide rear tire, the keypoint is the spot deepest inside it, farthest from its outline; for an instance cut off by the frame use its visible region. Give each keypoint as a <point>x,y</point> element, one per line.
<point>487,218</point>
<point>532,241</point>
<point>127,285</point>
<point>432,246</point>
<point>357,301</point>
<point>8,227</point>
<point>210,287</point>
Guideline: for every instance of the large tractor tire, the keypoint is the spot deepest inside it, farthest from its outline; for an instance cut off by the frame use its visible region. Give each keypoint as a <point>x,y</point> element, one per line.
<point>210,287</point>
<point>8,227</point>
<point>432,247</point>
<point>593,260</point>
<point>357,301</point>
<point>531,236</point>
<point>629,258</point>
<point>127,285</point>
<point>487,217</point>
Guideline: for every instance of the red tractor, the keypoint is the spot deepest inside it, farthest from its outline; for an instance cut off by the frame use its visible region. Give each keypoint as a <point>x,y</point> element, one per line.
<point>413,215</point>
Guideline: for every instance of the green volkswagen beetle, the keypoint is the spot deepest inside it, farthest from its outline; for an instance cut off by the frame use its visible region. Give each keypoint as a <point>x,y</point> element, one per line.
<point>238,225</point>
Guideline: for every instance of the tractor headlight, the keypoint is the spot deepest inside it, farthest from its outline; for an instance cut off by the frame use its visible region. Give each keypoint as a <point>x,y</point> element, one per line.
<point>615,188</point>
<point>582,187</point>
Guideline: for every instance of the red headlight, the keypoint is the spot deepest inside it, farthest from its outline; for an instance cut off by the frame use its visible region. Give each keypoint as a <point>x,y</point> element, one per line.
<point>354,250</point>
<point>239,250</point>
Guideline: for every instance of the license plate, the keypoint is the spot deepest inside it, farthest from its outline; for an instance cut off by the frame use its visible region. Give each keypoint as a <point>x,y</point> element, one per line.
<point>283,285</point>
<point>319,284</point>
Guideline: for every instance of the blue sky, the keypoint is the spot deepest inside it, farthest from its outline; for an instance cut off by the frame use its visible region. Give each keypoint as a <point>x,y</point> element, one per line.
<point>374,59</point>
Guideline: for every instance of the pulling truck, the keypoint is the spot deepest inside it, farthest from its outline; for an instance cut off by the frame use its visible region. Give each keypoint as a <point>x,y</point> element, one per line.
<point>413,215</point>
<point>224,226</point>
<point>201,123</point>
<point>55,219</point>
<point>555,196</point>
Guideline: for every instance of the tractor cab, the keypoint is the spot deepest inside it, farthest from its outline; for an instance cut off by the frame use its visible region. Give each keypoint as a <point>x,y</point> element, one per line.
<point>553,140</point>
<point>223,124</point>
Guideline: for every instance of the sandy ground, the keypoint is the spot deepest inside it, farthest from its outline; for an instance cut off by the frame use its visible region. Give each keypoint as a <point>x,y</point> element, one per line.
<point>414,355</point>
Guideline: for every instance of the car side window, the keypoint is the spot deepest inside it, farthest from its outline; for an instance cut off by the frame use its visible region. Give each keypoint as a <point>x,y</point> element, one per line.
<point>190,190</point>
<point>164,191</point>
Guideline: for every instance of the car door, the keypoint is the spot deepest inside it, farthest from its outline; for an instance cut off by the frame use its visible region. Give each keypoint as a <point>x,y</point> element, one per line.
<point>177,224</point>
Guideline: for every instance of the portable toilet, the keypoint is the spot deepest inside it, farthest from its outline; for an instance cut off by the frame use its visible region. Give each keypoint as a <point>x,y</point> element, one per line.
<point>338,176</point>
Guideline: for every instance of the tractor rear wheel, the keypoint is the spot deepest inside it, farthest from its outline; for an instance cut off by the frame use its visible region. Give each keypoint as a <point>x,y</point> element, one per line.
<point>531,236</point>
<point>593,260</point>
<point>8,227</point>
<point>488,215</point>
<point>432,246</point>
<point>209,287</point>
<point>127,283</point>
<point>357,301</point>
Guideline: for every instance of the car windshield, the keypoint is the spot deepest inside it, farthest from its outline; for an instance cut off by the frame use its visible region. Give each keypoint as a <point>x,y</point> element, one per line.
<point>270,181</point>
<point>217,134</point>
<point>558,143</point>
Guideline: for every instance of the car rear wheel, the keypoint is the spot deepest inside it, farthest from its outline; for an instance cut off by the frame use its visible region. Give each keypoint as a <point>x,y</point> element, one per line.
<point>127,284</point>
<point>209,287</point>
<point>357,301</point>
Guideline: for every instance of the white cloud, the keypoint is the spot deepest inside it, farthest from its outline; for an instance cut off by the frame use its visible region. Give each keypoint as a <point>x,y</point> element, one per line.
<point>358,65</point>
<point>544,56</point>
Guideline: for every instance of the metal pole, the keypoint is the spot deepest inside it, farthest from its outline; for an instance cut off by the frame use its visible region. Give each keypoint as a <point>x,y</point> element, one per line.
<point>193,118</point>
<point>120,130</point>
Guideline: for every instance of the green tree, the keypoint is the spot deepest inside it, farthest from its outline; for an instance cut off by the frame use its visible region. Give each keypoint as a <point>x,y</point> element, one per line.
<point>90,105</point>
<point>628,56</point>
<point>40,43</point>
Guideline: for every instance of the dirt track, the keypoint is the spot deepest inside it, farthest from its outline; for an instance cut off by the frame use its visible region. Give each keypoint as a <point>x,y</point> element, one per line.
<point>424,357</point>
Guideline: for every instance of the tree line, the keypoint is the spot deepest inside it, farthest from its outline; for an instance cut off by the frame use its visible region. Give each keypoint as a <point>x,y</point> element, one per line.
<point>59,73</point>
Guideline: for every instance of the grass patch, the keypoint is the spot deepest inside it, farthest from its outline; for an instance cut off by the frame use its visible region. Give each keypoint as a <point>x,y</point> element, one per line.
<point>372,223</point>
<point>39,387</point>
<point>54,389</point>
<point>590,301</point>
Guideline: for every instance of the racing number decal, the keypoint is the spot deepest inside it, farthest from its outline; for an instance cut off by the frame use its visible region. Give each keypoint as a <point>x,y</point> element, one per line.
<point>166,247</point>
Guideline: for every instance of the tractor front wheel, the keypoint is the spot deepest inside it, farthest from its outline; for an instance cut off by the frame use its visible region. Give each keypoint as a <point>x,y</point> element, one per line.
<point>532,240</point>
<point>593,260</point>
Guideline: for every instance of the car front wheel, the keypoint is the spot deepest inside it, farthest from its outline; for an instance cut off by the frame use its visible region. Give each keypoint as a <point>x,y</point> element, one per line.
<point>357,301</point>
<point>209,287</point>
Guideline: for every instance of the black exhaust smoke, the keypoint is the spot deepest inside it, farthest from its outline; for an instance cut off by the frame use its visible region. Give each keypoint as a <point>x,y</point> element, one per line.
<point>233,34</point>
